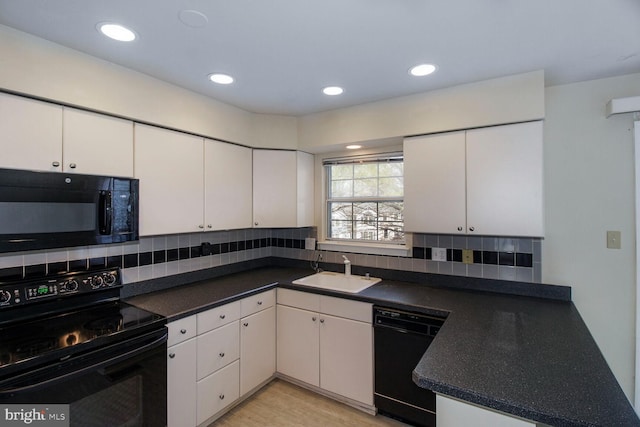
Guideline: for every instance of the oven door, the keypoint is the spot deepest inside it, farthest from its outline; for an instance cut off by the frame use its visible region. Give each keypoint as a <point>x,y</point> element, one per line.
<point>123,384</point>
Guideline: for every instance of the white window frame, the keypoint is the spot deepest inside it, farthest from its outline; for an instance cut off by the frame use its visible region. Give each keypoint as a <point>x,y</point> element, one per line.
<point>352,245</point>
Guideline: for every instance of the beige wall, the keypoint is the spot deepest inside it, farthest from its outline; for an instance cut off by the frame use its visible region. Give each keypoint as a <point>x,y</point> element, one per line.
<point>589,189</point>
<point>33,66</point>
<point>508,99</point>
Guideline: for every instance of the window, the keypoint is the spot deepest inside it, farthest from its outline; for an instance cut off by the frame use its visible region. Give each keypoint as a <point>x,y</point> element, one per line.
<point>365,198</point>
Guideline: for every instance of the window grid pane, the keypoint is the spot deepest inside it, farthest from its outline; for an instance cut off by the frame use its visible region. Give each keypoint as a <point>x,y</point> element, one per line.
<point>364,201</point>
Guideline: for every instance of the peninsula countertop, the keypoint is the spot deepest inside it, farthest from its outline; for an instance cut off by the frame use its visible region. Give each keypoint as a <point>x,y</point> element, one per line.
<point>530,357</point>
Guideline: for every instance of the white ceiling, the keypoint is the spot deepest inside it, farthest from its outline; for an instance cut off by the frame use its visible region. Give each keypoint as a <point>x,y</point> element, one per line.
<point>283,52</point>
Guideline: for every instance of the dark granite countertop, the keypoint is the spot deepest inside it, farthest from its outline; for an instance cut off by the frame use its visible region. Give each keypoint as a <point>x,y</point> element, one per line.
<point>526,356</point>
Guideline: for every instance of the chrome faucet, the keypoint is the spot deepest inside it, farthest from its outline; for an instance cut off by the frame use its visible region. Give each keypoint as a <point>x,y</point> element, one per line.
<point>347,266</point>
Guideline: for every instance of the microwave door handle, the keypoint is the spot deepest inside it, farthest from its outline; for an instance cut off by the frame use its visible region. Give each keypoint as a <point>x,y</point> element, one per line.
<point>105,214</point>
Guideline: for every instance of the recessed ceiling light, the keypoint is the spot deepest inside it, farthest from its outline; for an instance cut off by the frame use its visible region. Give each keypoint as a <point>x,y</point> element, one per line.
<point>116,31</point>
<point>353,147</point>
<point>422,70</point>
<point>222,79</point>
<point>332,90</point>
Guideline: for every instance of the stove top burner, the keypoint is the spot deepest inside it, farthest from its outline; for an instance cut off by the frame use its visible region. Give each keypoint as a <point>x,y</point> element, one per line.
<point>68,332</point>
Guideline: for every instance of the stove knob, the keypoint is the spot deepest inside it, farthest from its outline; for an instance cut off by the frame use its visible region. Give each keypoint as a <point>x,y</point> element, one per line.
<point>70,285</point>
<point>109,278</point>
<point>96,282</point>
<point>5,297</point>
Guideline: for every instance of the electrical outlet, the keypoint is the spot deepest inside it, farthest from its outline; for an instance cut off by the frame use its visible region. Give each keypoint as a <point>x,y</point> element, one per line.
<point>439,254</point>
<point>613,240</point>
<point>467,256</point>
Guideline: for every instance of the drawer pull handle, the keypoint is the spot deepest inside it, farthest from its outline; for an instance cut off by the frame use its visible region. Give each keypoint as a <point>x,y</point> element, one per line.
<point>221,397</point>
<point>259,302</point>
<point>222,354</point>
<point>172,355</point>
<point>183,331</point>
<point>245,324</point>
<point>222,316</point>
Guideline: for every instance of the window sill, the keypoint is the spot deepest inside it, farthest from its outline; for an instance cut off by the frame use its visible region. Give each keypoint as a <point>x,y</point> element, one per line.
<point>365,248</point>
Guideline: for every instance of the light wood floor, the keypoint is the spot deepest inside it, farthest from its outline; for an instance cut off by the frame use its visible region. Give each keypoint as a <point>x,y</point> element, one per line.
<point>282,404</point>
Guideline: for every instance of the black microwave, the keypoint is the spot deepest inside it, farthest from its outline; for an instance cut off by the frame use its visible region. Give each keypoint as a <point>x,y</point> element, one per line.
<point>45,210</point>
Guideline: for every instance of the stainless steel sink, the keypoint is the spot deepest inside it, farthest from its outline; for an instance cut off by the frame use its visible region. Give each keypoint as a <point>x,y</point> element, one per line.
<point>338,282</point>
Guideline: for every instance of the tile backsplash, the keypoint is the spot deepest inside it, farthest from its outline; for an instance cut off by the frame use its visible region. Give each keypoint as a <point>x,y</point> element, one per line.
<point>515,259</point>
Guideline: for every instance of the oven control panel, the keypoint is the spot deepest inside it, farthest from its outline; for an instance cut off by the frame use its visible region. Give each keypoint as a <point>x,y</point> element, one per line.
<point>58,286</point>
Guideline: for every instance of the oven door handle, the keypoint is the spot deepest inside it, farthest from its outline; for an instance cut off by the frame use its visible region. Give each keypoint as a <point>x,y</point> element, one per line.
<point>54,378</point>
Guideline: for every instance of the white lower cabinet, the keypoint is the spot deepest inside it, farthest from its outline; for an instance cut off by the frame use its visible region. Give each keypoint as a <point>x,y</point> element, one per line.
<point>217,356</point>
<point>454,413</point>
<point>257,349</point>
<point>217,391</point>
<point>326,342</point>
<point>181,384</point>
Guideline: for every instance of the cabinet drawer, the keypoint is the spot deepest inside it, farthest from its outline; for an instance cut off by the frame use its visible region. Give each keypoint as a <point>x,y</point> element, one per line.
<point>303,300</point>
<point>217,391</point>
<point>258,302</point>
<point>349,309</point>
<point>218,348</point>
<point>219,316</point>
<point>181,329</point>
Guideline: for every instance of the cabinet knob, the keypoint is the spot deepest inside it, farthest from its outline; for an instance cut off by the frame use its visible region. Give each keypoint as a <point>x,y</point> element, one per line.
<point>245,324</point>
<point>472,228</point>
<point>183,331</point>
<point>222,316</point>
<point>221,397</point>
<point>313,319</point>
<point>209,226</point>
<point>172,355</point>
<point>201,226</point>
<point>460,228</point>
<point>259,302</point>
<point>321,320</point>
<point>255,223</point>
<point>55,164</point>
<point>222,354</point>
<point>72,165</point>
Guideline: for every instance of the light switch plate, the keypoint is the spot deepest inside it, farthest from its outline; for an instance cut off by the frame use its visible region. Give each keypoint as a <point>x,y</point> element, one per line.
<point>439,254</point>
<point>467,256</point>
<point>613,240</point>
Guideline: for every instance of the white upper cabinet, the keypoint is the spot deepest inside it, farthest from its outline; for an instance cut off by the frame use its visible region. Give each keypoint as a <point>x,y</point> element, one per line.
<point>227,185</point>
<point>484,181</point>
<point>170,167</point>
<point>282,189</point>
<point>31,134</point>
<point>96,144</point>
<point>435,183</point>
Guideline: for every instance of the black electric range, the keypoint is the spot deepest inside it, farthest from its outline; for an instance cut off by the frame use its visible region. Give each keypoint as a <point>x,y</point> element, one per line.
<point>72,328</point>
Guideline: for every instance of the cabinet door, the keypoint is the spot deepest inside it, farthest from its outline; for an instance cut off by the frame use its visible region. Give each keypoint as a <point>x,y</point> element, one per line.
<point>217,391</point>
<point>257,349</point>
<point>434,183</point>
<point>305,190</point>
<point>31,134</point>
<point>217,349</point>
<point>274,188</point>
<point>453,413</point>
<point>228,186</point>
<point>504,180</point>
<point>170,168</point>
<point>97,144</point>
<point>298,344</point>
<point>346,358</point>
<point>181,384</point>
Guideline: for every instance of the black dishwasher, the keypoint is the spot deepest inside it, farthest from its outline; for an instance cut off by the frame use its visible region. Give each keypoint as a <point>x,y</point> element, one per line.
<point>400,340</point>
